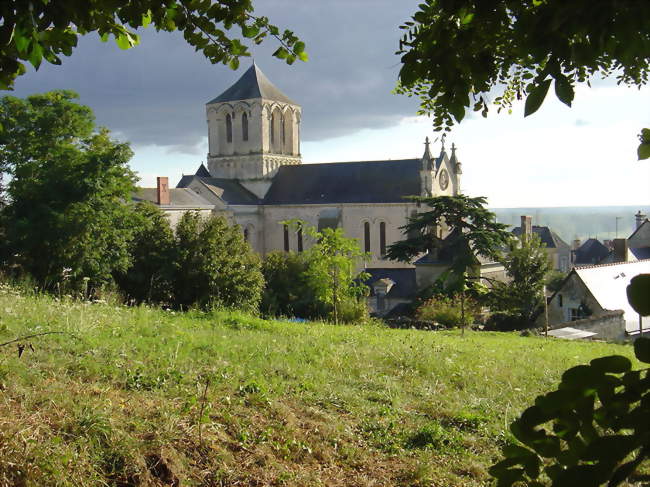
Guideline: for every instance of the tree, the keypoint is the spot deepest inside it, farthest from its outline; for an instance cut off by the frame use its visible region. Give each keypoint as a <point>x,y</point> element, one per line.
<point>47,29</point>
<point>214,265</point>
<point>457,53</point>
<point>332,264</point>
<point>149,277</point>
<point>527,265</point>
<point>67,215</point>
<point>473,231</point>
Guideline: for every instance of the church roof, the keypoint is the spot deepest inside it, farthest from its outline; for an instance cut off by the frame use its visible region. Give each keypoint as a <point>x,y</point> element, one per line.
<point>345,182</point>
<point>252,84</point>
<point>228,190</point>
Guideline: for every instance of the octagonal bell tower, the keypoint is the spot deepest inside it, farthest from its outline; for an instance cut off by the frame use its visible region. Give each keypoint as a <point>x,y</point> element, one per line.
<point>253,129</point>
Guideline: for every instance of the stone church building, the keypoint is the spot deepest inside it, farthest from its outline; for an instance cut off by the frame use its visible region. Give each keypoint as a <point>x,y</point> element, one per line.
<point>255,177</point>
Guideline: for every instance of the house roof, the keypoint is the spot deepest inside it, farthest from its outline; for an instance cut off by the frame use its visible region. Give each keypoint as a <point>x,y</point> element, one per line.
<point>404,279</point>
<point>548,237</point>
<point>229,190</point>
<point>591,251</point>
<point>646,222</point>
<point>345,182</point>
<point>641,253</point>
<point>179,197</point>
<point>252,84</point>
<point>608,285</point>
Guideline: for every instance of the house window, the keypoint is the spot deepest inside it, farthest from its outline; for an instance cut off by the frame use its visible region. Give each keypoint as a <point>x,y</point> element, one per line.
<point>382,238</point>
<point>244,126</point>
<point>366,236</point>
<point>575,314</point>
<point>228,128</point>
<point>286,237</point>
<point>559,300</point>
<point>246,234</point>
<point>300,238</point>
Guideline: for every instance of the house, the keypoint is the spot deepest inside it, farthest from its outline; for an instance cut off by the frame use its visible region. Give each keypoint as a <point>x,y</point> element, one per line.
<point>594,298</point>
<point>635,247</point>
<point>557,249</point>
<point>592,251</point>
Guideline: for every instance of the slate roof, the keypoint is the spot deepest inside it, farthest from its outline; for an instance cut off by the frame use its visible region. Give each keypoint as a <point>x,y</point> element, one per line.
<point>181,197</point>
<point>229,190</point>
<point>592,251</point>
<point>548,237</point>
<point>345,182</point>
<point>252,84</point>
<point>641,253</point>
<point>404,279</point>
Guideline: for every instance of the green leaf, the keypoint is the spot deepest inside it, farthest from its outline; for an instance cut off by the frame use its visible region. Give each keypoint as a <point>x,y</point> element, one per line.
<point>303,56</point>
<point>281,53</point>
<point>615,364</point>
<point>536,97</point>
<point>146,19</point>
<point>234,63</point>
<point>250,31</point>
<point>36,55</point>
<point>564,90</point>
<point>22,42</point>
<point>125,40</point>
<point>637,294</point>
<point>642,349</point>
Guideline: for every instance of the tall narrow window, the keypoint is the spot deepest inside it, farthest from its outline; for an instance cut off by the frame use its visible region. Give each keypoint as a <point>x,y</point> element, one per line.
<point>286,238</point>
<point>300,238</point>
<point>272,128</point>
<point>366,237</point>
<point>228,128</point>
<point>244,126</point>
<point>382,238</point>
<point>246,234</point>
<point>282,129</point>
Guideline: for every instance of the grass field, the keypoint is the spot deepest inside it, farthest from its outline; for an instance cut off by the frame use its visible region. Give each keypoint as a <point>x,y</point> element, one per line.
<point>139,396</point>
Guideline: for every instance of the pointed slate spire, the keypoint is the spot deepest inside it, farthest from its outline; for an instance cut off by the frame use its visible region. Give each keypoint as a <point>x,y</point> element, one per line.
<point>202,172</point>
<point>427,159</point>
<point>252,84</point>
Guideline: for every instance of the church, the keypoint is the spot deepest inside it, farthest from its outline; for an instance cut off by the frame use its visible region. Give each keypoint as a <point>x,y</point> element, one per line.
<point>254,176</point>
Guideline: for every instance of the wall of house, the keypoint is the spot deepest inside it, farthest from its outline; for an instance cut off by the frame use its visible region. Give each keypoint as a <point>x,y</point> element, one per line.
<point>609,326</point>
<point>174,215</point>
<point>572,294</point>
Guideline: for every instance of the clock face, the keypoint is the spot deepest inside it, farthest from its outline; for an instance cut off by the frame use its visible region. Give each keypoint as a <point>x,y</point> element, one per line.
<point>444,179</point>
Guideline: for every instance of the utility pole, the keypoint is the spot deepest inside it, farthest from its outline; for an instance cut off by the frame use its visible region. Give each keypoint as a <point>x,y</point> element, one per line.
<point>545,311</point>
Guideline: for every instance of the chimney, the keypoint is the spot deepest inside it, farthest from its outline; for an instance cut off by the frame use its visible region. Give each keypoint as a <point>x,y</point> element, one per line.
<point>620,250</point>
<point>639,218</point>
<point>526,227</point>
<point>576,244</point>
<point>162,191</point>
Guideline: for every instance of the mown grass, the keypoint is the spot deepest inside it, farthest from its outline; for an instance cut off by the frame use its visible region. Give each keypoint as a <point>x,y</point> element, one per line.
<point>140,396</point>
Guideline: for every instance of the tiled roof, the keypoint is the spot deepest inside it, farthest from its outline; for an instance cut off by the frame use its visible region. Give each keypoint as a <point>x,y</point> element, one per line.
<point>592,251</point>
<point>345,182</point>
<point>404,279</point>
<point>229,190</point>
<point>252,84</point>
<point>548,237</point>
<point>180,197</point>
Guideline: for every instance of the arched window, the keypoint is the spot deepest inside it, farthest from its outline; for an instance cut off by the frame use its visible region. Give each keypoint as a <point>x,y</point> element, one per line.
<point>366,237</point>
<point>300,238</point>
<point>286,238</point>
<point>382,238</point>
<point>228,128</point>
<point>283,131</point>
<point>272,128</point>
<point>244,126</point>
<point>246,234</point>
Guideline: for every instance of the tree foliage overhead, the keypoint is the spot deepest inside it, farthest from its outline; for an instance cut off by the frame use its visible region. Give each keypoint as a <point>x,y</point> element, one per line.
<point>37,30</point>
<point>457,53</point>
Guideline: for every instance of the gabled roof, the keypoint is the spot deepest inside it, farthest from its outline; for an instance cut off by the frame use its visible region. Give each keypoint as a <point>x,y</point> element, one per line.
<point>548,237</point>
<point>202,172</point>
<point>179,197</point>
<point>404,279</point>
<point>608,283</point>
<point>345,182</point>
<point>592,251</point>
<point>252,84</point>
<point>646,222</point>
<point>229,190</point>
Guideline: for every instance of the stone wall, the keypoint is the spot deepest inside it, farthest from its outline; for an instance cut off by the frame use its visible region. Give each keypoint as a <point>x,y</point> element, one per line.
<point>609,325</point>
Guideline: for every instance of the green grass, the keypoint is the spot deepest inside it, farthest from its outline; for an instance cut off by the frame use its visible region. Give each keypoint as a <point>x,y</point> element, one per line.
<point>123,400</point>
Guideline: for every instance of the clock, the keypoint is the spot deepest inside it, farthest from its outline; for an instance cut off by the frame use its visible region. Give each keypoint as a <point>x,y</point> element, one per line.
<point>444,179</point>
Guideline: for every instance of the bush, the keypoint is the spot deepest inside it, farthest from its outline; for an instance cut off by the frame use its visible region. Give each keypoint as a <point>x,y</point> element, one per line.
<point>215,266</point>
<point>352,310</point>
<point>503,321</point>
<point>447,311</point>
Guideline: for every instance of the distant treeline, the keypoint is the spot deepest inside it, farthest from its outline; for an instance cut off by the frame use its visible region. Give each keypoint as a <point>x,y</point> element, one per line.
<point>583,222</point>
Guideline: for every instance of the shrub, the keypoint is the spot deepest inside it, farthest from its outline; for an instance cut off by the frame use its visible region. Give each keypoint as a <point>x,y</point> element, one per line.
<point>504,321</point>
<point>447,311</point>
<point>352,310</point>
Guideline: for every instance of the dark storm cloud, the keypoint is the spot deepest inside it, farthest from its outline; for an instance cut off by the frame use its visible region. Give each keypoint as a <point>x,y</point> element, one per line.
<point>155,93</point>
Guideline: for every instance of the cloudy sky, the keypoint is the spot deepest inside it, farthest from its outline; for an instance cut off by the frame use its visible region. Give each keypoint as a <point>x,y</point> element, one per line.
<point>154,96</point>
